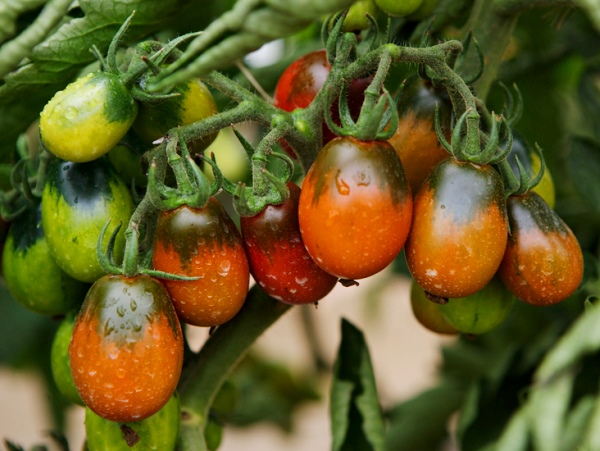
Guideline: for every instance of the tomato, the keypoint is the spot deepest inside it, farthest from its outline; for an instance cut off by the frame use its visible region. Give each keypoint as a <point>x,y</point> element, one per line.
<point>543,263</point>
<point>429,313</point>
<point>213,434</point>
<point>399,8</point>
<point>424,11</point>
<point>202,242</point>
<point>278,258</point>
<point>78,200</point>
<point>459,230</point>
<point>128,165</point>
<point>302,80</point>
<point>356,18</point>
<point>88,118</point>
<point>355,207</point>
<point>481,312</point>
<point>195,102</point>
<point>32,276</point>
<point>61,363</point>
<point>415,139</point>
<point>127,348</point>
<point>158,432</point>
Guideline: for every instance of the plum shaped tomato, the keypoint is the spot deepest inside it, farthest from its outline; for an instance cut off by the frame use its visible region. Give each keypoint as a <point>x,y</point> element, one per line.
<point>157,432</point>
<point>195,102</point>
<point>415,139</point>
<point>543,263</point>
<point>480,312</point>
<point>206,243</point>
<point>32,276</point>
<point>60,362</point>
<point>302,80</point>
<point>278,258</point>
<point>87,118</point>
<point>429,313</point>
<point>78,200</point>
<point>127,348</point>
<point>355,207</point>
<point>459,231</point>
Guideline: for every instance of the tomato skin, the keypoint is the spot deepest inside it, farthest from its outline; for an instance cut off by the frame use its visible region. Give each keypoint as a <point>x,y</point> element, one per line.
<point>127,348</point>
<point>302,80</point>
<point>428,313</point>
<point>415,139</point>
<point>32,276</point>
<point>399,8</point>
<point>459,229</point>
<point>159,431</point>
<point>61,363</point>
<point>355,207</point>
<point>78,200</point>
<point>202,242</point>
<point>278,258</point>
<point>480,312</point>
<point>195,102</point>
<point>88,118</point>
<point>543,263</point>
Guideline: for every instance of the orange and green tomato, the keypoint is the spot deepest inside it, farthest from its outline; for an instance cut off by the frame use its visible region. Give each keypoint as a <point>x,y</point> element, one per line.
<point>429,313</point>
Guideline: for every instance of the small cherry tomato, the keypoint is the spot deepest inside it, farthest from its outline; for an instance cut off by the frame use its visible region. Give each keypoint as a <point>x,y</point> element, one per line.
<point>543,263</point>
<point>481,312</point>
<point>355,207</point>
<point>429,313</point>
<point>157,432</point>
<point>415,139</point>
<point>459,230</point>
<point>60,362</point>
<point>78,200</point>
<point>88,118</point>
<point>195,102</point>
<point>356,19</point>
<point>278,258</point>
<point>32,276</point>
<point>202,242</point>
<point>127,348</point>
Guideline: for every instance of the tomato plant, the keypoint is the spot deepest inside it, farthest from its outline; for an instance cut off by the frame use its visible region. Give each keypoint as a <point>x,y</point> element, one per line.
<point>429,313</point>
<point>60,361</point>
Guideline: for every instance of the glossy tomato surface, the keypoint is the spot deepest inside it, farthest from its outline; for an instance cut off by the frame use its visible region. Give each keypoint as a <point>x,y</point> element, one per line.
<point>32,276</point>
<point>78,200</point>
<point>60,363</point>
<point>459,230</point>
<point>355,208</point>
<point>543,263</point>
<point>127,348</point>
<point>429,313</point>
<point>88,118</point>
<point>278,258</point>
<point>415,139</point>
<point>202,242</point>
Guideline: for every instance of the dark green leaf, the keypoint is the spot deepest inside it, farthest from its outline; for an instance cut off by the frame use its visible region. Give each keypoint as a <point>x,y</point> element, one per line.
<point>584,165</point>
<point>577,423</point>
<point>516,435</point>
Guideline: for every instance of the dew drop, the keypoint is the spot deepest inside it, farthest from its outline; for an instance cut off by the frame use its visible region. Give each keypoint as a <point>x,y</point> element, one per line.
<point>71,113</point>
<point>224,267</point>
<point>133,305</point>
<point>121,311</point>
<point>341,185</point>
<point>109,327</point>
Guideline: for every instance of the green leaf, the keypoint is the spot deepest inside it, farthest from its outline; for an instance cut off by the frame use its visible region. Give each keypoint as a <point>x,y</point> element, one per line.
<point>576,423</point>
<point>356,418</point>
<point>584,166</point>
<point>55,61</point>
<point>516,435</point>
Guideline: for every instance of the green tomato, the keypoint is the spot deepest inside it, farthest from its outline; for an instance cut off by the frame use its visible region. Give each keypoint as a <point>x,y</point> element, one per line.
<point>128,165</point>
<point>429,313</point>
<point>157,432</point>
<point>480,312</point>
<point>60,362</point>
<point>32,276</point>
<point>78,200</point>
<point>545,188</point>
<point>356,19</point>
<point>213,434</point>
<point>88,118</point>
<point>423,11</point>
<point>399,8</point>
<point>195,102</point>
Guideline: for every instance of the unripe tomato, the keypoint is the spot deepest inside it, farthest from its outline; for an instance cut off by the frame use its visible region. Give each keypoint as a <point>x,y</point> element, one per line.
<point>78,200</point>
<point>423,11</point>
<point>415,139</point>
<point>399,8</point>
<point>429,313</point>
<point>128,165</point>
<point>355,207</point>
<point>88,118</point>
<point>543,263</point>
<point>195,102</point>
<point>356,18</point>
<point>459,232</point>
<point>61,363</point>
<point>202,242</point>
<point>157,432</point>
<point>278,258</point>
<point>480,312</point>
<point>32,276</point>
<point>127,348</point>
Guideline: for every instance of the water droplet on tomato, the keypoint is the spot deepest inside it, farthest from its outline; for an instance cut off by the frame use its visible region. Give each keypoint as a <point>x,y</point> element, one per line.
<point>121,311</point>
<point>71,113</point>
<point>133,305</point>
<point>341,185</point>
<point>113,353</point>
<point>224,267</point>
<point>109,327</point>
